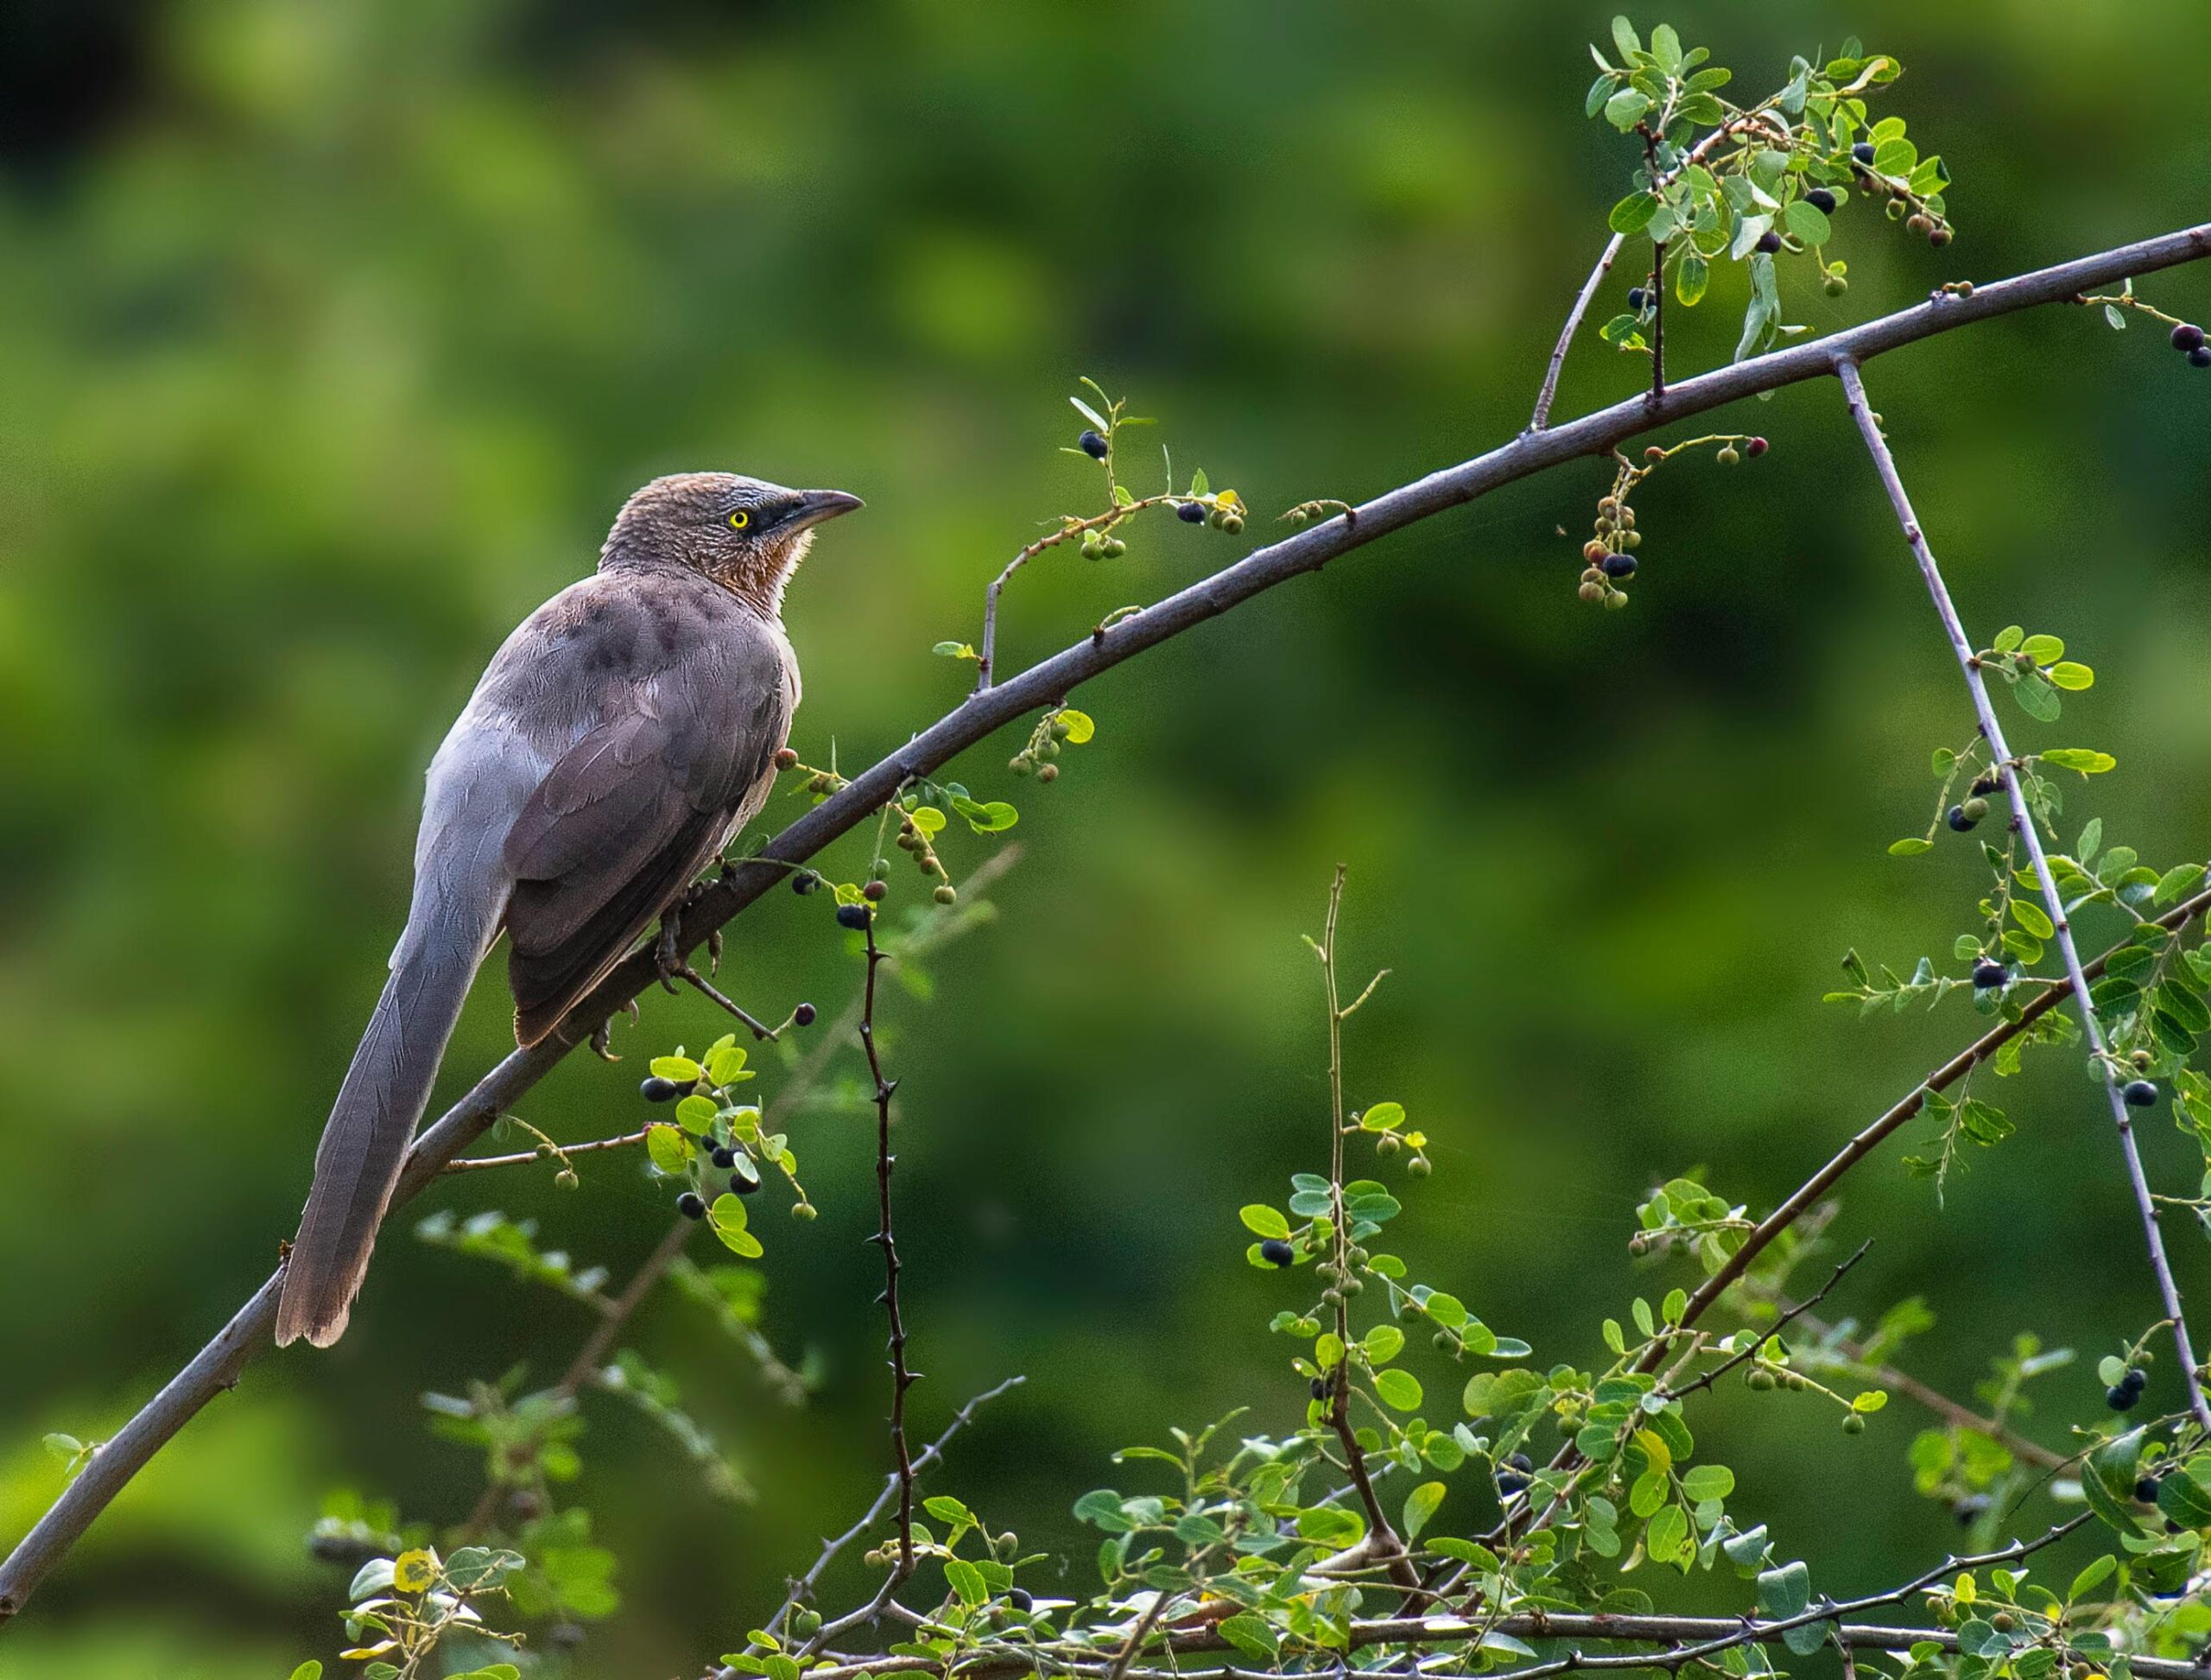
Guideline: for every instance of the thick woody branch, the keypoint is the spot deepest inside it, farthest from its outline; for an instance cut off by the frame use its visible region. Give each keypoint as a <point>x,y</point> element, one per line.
<point>215,1367</point>
<point>2023,823</point>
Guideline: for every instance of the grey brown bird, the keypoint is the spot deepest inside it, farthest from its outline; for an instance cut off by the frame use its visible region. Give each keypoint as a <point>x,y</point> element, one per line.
<point>617,742</point>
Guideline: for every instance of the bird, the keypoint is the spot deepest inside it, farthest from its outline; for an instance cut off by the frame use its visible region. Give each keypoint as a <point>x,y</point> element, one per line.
<point>618,739</point>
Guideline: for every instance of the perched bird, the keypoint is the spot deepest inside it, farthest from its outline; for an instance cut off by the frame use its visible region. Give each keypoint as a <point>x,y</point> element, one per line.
<point>617,740</point>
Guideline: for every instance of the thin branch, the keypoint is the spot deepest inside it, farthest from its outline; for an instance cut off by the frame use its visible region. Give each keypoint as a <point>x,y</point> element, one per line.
<point>215,1368</point>
<point>1380,1534</point>
<point>1773,1329</point>
<point>557,1151</point>
<point>2023,823</point>
<point>901,1378</point>
<point>802,1588</point>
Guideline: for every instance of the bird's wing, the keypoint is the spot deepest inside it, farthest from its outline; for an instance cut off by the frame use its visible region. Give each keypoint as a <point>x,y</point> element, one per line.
<point>692,696</point>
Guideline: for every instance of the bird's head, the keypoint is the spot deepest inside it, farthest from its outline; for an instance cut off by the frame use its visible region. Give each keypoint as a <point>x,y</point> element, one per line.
<point>746,534</point>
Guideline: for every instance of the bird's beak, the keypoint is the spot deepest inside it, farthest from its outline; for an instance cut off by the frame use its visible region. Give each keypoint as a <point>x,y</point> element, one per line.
<point>816,505</point>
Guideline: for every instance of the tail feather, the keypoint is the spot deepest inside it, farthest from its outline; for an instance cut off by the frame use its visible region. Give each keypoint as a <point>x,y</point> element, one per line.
<point>364,1144</point>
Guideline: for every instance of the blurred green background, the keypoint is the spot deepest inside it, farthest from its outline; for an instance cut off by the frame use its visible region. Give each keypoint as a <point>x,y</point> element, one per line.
<point>331,337</point>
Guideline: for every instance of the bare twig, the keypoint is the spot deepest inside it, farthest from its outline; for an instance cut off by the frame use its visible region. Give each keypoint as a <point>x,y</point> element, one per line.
<point>901,1378</point>
<point>2023,823</point>
<point>1773,1329</point>
<point>477,1164</point>
<point>215,1368</point>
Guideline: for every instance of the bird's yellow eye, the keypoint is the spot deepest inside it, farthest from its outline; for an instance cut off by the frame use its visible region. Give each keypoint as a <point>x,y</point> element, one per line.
<point>739,520</point>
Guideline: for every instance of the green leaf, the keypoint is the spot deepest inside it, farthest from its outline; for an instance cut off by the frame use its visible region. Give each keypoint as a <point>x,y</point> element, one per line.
<point>1632,213</point>
<point>1667,1535</point>
<point>1708,1481</point>
<point>946,1509</point>
<point>1911,847</point>
<point>2092,1577</point>
<point>2036,698</point>
<point>1080,728</point>
<point>1329,1351</point>
<point>728,1216</point>
<point>1808,222</point>
<point>2070,674</point>
<point>965,1579</point>
<point>1382,1343</point>
<point>681,1069</point>
<point>986,817</point>
<point>1626,108</point>
<point>1691,278</point>
<point>308,1670</point>
<point>956,650</point>
<point>2031,916</point>
<point>1264,1221</point>
<point>724,1066</point>
<point>2184,1494</point>
<point>2008,638</point>
<point>1625,38</point>
<point>695,1114</point>
<point>1383,1117</point>
<point>1420,1505</point>
<point>1399,1387</point>
<point>1785,1592</point>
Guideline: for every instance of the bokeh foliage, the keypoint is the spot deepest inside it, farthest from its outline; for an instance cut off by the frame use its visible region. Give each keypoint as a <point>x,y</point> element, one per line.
<point>332,335</point>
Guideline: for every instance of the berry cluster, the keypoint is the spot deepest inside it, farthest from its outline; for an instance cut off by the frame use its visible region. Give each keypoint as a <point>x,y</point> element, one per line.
<point>1063,727</point>
<point>1611,552</point>
<point>2122,1394</point>
<point>713,1132</point>
<point>2187,338</point>
<point>913,838</point>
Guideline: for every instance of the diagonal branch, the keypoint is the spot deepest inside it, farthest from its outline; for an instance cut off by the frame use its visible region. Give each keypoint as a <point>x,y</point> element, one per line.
<point>2023,823</point>
<point>215,1367</point>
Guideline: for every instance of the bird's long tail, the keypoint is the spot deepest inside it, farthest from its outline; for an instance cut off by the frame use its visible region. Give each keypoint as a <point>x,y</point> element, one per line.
<point>363,1145</point>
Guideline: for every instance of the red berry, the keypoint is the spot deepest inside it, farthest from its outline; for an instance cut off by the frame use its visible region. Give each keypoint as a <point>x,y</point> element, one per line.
<point>1756,448</point>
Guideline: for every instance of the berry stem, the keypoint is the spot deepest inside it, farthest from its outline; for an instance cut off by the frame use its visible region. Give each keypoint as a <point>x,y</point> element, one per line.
<point>902,1378</point>
<point>2023,823</point>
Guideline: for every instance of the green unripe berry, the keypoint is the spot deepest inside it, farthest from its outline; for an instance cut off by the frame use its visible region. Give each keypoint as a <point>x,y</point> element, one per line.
<point>1729,455</point>
<point>1975,808</point>
<point>1233,524</point>
<point>1853,1423</point>
<point>1615,601</point>
<point>1760,1378</point>
<point>1834,285</point>
<point>1592,591</point>
<point>1444,1341</point>
<point>1048,773</point>
<point>1418,1166</point>
<point>947,894</point>
<point>807,1623</point>
<point>1388,1143</point>
<point>804,1210</point>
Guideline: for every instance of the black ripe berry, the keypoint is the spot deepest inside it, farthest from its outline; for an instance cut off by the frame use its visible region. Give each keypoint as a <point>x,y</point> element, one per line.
<point>1637,298</point>
<point>803,1015</point>
<point>691,1205</point>
<point>1191,513</point>
<point>1768,242</point>
<point>1512,1475</point>
<point>2141,1093</point>
<point>1988,973</point>
<point>2201,356</point>
<point>2187,336</point>
<point>1968,1508</point>
<point>658,1089</point>
<point>1619,566</point>
<point>2146,1489</point>
<point>854,916</point>
<point>2122,1394</point>
<point>742,1184</point>
<point>1983,786</point>
<point>1822,200</point>
<point>1318,1388</point>
<point>1276,1252</point>
<point>1862,152</point>
<point>1093,446</point>
<point>805,882</point>
<point>1958,820</point>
